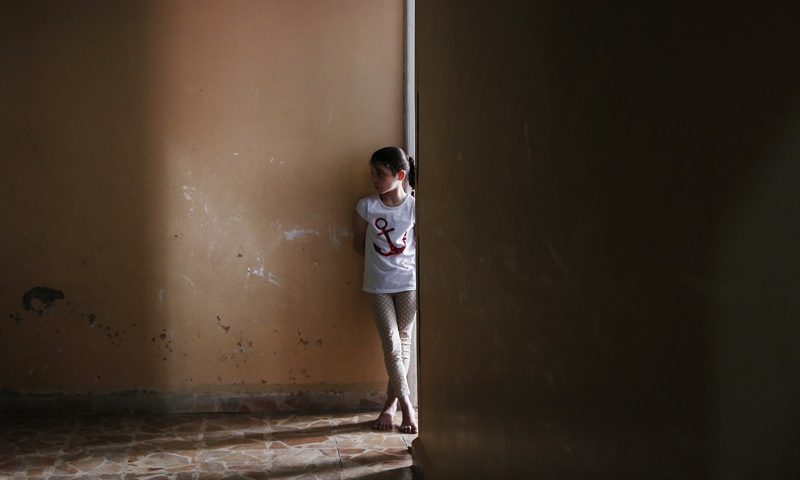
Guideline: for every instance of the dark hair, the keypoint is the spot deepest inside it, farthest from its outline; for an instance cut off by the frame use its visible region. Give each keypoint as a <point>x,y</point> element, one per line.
<point>396,159</point>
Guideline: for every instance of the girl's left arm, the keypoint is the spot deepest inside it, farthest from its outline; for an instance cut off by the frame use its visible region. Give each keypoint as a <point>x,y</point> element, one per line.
<point>359,234</point>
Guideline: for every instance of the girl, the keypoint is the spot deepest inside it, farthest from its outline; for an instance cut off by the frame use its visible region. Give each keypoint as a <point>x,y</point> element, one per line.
<point>384,235</point>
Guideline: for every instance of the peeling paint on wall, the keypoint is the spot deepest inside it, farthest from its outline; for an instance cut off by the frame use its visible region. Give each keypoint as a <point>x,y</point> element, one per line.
<point>41,299</point>
<point>224,327</point>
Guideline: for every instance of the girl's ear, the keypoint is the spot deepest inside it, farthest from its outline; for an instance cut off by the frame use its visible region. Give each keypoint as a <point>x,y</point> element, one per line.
<point>401,175</point>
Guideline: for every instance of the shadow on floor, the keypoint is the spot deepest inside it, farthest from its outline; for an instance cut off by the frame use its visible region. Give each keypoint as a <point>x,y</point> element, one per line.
<point>203,447</point>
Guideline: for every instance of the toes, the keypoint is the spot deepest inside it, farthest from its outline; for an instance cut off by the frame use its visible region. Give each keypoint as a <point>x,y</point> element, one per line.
<point>408,429</point>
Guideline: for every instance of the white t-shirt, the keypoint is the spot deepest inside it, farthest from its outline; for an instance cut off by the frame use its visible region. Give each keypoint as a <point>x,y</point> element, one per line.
<point>390,251</point>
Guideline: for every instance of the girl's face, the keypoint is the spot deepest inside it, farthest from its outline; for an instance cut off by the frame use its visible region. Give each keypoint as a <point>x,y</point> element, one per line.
<point>384,180</point>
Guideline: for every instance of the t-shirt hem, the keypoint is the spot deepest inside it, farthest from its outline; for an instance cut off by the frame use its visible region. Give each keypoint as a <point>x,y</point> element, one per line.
<point>398,290</point>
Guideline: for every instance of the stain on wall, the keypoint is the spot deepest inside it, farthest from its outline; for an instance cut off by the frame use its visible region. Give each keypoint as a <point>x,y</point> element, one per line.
<point>40,299</point>
<point>183,175</point>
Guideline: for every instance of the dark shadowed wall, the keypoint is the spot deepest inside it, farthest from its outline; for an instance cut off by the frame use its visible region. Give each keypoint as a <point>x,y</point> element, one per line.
<point>608,220</point>
<point>179,177</point>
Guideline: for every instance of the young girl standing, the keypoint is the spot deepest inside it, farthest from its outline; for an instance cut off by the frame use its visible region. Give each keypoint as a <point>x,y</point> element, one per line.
<point>384,235</point>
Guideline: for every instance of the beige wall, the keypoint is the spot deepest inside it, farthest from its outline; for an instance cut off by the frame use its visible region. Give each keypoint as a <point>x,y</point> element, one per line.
<point>608,225</point>
<point>186,172</point>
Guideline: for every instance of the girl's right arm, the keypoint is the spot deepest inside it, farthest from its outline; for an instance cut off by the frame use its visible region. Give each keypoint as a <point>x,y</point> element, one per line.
<point>359,233</point>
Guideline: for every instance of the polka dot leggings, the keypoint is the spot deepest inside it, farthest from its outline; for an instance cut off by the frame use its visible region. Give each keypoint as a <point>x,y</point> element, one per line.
<point>394,315</point>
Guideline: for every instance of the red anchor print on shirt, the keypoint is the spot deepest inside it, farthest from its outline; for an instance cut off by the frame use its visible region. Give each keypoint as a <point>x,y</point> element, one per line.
<point>393,249</point>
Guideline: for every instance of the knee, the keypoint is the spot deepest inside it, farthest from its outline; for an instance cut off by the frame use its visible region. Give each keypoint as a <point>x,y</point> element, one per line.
<point>393,354</point>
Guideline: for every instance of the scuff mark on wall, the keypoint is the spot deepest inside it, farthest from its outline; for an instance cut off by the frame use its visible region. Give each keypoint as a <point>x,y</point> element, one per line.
<point>186,193</point>
<point>297,233</point>
<point>258,271</point>
<point>302,342</point>
<point>242,348</point>
<point>224,327</point>
<point>333,237</point>
<point>188,280</point>
<point>90,318</point>
<point>41,299</point>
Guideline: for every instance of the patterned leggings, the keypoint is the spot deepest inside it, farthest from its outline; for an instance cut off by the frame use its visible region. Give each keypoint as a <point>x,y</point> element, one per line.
<point>394,315</point>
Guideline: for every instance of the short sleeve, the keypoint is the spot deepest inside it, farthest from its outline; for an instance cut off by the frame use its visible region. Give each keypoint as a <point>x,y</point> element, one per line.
<point>361,208</point>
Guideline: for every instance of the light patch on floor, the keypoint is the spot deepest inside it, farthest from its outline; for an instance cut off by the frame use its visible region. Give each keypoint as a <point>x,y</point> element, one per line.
<point>203,447</point>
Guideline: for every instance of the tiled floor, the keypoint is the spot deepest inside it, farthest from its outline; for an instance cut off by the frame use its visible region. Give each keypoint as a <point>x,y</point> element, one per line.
<point>202,447</point>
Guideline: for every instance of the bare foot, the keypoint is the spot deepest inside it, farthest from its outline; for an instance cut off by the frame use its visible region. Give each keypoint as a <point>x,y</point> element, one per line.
<point>385,420</point>
<point>409,424</point>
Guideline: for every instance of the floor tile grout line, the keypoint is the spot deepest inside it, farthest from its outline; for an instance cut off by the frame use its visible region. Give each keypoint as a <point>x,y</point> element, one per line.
<point>338,453</point>
<point>200,447</point>
<point>129,450</point>
<point>70,438</point>
<point>269,417</point>
<point>271,452</point>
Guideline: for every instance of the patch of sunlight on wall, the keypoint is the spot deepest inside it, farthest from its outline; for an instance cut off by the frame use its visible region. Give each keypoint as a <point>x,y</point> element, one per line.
<point>264,117</point>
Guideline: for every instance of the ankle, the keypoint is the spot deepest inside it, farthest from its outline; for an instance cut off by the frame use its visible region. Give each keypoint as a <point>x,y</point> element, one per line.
<point>405,405</point>
<point>390,405</point>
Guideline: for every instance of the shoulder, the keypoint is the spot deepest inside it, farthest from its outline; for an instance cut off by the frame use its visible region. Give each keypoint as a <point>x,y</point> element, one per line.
<point>363,206</point>
<point>410,203</point>
<point>366,201</point>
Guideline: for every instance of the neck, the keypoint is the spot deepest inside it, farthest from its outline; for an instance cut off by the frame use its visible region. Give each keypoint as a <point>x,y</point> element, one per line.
<point>393,198</point>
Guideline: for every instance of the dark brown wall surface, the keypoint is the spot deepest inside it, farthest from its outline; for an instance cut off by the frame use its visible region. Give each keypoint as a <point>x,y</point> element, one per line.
<point>608,221</point>
<point>74,139</point>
